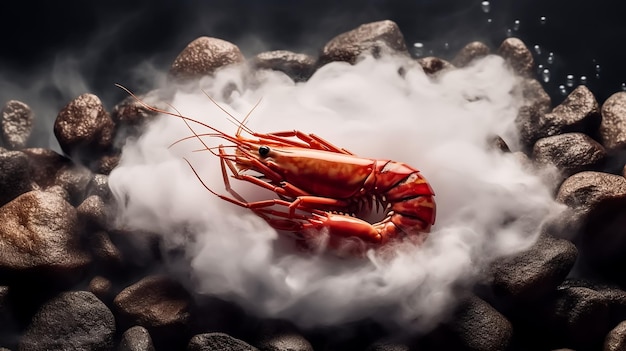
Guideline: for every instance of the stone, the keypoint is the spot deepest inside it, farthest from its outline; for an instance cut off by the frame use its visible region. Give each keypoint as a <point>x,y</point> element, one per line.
<point>534,95</point>
<point>613,125</point>
<point>93,214</point>
<point>470,52</point>
<point>476,325</point>
<point>84,128</point>
<point>204,56</point>
<point>38,232</point>
<point>44,165</point>
<point>218,341</point>
<point>15,175</point>
<point>74,320</point>
<point>516,53</point>
<point>280,335</point>
<point>598,202</point>
<point>433,65</point>
<point>536,272</point>
<point>376,39</point>
<point>581,318</point>
<point>99,186</point>
<point>569,152</point>
<point>299,67</point>
<point>17,124</point>
<point>102,288</point>
<point>159,304</point>
<point>579,112</point>
<point>616,338</point>
<point>587,190</point>
<point>136,338</point>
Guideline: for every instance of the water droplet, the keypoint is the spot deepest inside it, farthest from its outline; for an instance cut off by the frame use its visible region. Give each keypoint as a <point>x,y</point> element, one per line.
<point>569,80</point>
<point>516,25</point>
<point>550,58</point>
<point>509,32</point>
<point>597,75</point>
<point>542,19</point>
<point>545,75</point>
<point>418,49</point>
<point>583,80</point>
<point>486,6</point>
<point>489,20</point>
<point>446,46</point>
<point>537,49</point>
<point>623,86</point>
<point>562,90</point>
<point>597,68</point>
<point>539,68</point>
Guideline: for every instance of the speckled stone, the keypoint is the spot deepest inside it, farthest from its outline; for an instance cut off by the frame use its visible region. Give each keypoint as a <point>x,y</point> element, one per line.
<point>613,125</point>
<point>470,52</point>
<point>17,124</point>
<point>204,56</point>
<point>516,53</point>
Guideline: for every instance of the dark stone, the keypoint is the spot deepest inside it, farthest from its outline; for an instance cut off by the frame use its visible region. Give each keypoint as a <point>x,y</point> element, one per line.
<point>105,253</point>
<point>570,153</point>
<point>218,342</point>
<point>71,321</point>
<point>516,53</point>
<point>136,338</point>
<point>74,179</point>
<point>477,326</point>
<point>84,129</point>
<point>17,124</point>
<point>280,335</point>
<point>99,186</point>
<point>15,175</point>
<point>534,273</point>
<point>45,164</point>
<point>204,56</point>
<point>376,39</point>
<point>585,191</point>
<point>159,304</point>
<point>93,214</point>
<point>581,318</point>
<point>534,95</point>
<point>298,67</point>
<point>432,65</point>
<point>38,233</point>
<point>470,52</point>
<point>102,288</point>
<point>616,338</point>
<point>598,210</point>
<point>613,125</point>
<point>579,112</point>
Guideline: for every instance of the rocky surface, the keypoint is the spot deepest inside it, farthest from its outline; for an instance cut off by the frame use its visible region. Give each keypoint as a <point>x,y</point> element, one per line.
<point>203,56</point>
<point>71,279</point>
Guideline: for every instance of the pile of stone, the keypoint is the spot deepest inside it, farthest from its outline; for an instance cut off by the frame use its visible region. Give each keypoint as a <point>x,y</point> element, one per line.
<point>71,280</point>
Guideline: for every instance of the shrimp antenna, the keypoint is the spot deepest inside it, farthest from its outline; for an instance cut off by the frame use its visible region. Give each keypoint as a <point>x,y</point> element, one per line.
<point>181,116</point>
<point>240,124</point>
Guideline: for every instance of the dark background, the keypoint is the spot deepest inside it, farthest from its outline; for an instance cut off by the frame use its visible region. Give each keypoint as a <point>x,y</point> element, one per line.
<point>104,42</point>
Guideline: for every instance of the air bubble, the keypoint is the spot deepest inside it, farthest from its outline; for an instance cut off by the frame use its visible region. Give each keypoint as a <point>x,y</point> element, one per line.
<point>542,19</point>
<point>418,49</point>
<point>550,58</point>
<point>562,90</point>
<point>537,49</point>
<point>489,20</point>
<point>623,86</point>
<point>539,68</point>
<point>446,46</point>
<point>509,32</point>
<point>516,25</point>
<point>583,80</point>
<point>569,80</point>
<point>545,75</point>
<point>486,6</point>
<point>597,68</point>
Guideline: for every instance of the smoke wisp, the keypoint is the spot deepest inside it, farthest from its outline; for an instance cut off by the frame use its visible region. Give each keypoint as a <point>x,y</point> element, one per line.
<point>488,204</point>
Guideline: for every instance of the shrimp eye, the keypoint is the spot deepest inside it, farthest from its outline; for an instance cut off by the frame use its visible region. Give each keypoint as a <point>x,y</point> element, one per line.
<point>264,150</point>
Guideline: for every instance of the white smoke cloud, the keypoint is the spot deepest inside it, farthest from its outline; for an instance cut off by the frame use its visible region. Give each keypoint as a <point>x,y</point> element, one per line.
<point>488,205</point>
